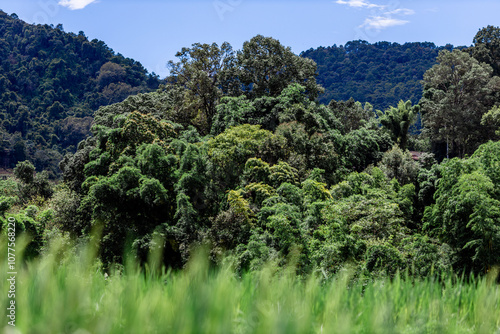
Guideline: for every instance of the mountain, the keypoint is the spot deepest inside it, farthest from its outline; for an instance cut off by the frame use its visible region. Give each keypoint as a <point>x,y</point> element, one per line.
<point>381,73</point>
<point>51,82</point>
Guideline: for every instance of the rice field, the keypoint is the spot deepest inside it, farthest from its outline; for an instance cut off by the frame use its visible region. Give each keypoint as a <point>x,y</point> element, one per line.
<point>66,291</point>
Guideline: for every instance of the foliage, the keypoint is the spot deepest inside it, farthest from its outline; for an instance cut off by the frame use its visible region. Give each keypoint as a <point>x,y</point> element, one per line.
<point>365,146</point>
<point>128,187</point>
<point>203,69</point>
<point>50,84</point>
<point>381,73</point>
<point>235,153</point>
<point>351,115</point>
<point>267,67</point>
<point>458,91</point>
<point>208,75</point>
<point>31,184</point>
<point>398,121</point>
<point>466,212</point>
<point>492,119</point>
<point>398,164</point>
<point>229,151</point>
<point>486,47</point>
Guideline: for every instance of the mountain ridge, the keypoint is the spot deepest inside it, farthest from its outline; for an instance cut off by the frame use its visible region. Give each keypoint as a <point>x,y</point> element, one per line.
<point>382,73</point>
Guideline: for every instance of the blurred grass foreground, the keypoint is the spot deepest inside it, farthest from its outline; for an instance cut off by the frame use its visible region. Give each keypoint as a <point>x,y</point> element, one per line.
<point>66,291</point>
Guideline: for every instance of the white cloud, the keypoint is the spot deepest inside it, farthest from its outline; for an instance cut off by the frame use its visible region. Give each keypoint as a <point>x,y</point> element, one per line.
<point>382,22</point>
<point>384,18</point>
<point>75,4</point>
<point>358,3</point>
<point>401,11</point>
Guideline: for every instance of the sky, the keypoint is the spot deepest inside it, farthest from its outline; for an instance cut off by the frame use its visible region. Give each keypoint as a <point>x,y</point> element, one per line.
<point>152,31</point>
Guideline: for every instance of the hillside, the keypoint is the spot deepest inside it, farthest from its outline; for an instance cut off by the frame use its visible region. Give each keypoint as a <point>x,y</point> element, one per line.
<point>382,73</point>
<point>50,84</point>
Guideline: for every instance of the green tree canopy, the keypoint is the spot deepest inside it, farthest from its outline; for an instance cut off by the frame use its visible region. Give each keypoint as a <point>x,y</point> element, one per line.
<point>267,67</point>
<point>466,213</point>
<point>486,47</point>
<point>398,121</point>
<point>204,70</point>
<point>458,91</point>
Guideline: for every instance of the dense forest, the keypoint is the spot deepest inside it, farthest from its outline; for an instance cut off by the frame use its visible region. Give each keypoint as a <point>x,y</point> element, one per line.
<point>235,152</point>
<point>51,82</point>
<point>382,73</point>
<point>246,151</point>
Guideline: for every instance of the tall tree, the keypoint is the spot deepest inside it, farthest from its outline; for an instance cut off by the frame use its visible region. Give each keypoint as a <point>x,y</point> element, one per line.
<point>486,47</point>
<point>267,67</point>
<point>203,70</point>
<point>457,92</point>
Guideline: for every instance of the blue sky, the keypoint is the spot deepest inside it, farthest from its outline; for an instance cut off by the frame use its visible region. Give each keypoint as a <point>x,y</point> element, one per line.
<point>152,31</point>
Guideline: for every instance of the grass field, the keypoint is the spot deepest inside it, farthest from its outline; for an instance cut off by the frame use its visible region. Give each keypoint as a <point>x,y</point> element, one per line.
<point>66,292</point>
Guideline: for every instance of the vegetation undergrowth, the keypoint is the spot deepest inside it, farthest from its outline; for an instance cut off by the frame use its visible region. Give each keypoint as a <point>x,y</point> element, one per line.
<point>65,290</point>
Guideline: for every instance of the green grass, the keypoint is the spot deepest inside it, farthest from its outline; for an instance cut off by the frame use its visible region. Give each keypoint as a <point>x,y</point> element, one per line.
<point>66,292</point>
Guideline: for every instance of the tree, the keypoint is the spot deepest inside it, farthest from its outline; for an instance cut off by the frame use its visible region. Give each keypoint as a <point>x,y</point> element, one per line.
<point>25,172</point>
<point>398,121</point>
<point>126,178</point>
<point>117,92</point>
<point>365,146</point>
<point>364,227</point>
<point>230,150</point>
<point>266,68</point>
<point>309,150</point>
<point>466,213</point>
<point>231,111</point>
<point>65,204</point>
<point>351,114</point>
<point>292,104</point>
<point>127,204</point>
<point>190,218</point>
<point>56,110</point>
<point>72,165</point>
<point>486,47</point>
<point>110,73</point>
<point>137,129</point>
<point>399,164</point>
<point>457,92</point>
<point>32,184</point>
<point>204,70</point>
<point>492,119</point>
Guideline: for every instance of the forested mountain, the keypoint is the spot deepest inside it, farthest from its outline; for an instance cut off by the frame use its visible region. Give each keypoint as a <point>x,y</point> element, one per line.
<point>382,73</point>
<point>51,82</point>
